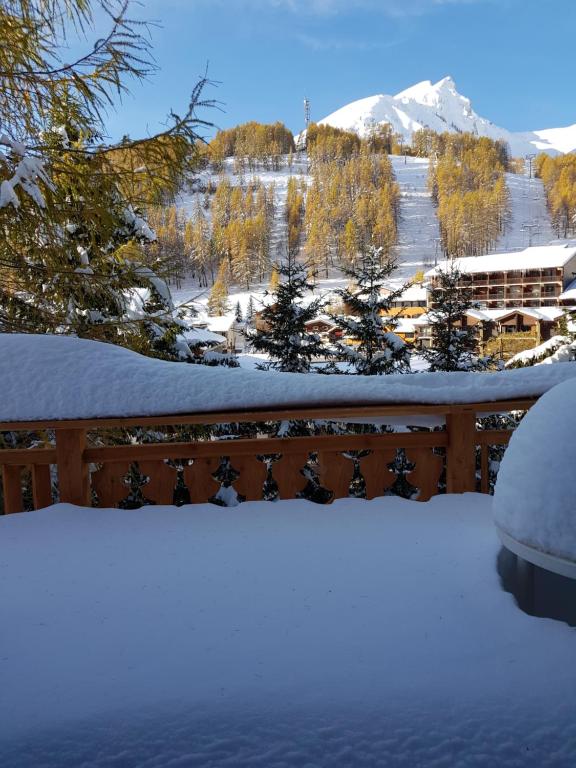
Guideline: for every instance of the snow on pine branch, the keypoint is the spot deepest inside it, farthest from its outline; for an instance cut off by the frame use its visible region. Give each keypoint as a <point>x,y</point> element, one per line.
<point>557,349</point>
<point>138,226</point>
<point>29,171</point>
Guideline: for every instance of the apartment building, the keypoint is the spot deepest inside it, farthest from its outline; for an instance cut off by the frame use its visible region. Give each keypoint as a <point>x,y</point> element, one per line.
<point>534,277</point>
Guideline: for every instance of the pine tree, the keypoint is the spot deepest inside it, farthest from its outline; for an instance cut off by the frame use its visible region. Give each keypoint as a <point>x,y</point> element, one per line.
<point>454,345</point>
<point>375,348</point>
<point>238,313</point>
<point>287,342</point>
<point>250,311</point>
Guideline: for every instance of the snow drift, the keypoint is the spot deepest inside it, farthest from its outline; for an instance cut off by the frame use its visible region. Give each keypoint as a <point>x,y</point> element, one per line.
<point>63,377</point>
<point>534,496</point>
<point>282,635</point>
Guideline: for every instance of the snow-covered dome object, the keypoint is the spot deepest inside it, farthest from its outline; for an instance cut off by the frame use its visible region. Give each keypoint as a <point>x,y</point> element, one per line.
<point>535,494</point>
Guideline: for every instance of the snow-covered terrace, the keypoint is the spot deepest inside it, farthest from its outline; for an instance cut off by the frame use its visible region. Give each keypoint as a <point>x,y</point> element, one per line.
<point>89,386</point>
<point>287,634</point>
<point>368,633</point>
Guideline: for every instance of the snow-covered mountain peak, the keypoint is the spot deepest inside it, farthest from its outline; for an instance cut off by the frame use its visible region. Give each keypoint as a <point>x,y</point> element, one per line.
<point>441,107</point>
<point>442,96</point>
<point>430,93</point>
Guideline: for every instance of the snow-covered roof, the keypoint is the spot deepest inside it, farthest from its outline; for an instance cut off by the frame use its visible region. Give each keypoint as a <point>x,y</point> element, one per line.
<point>405,325</point>
<point>538,313</point>
<point>536,257</point>
<point>203,336</point>
<point>89,379</point>
<point>220,323</point>
<point>548,314</point>
<point>322,319</point>
<point>416,292</point>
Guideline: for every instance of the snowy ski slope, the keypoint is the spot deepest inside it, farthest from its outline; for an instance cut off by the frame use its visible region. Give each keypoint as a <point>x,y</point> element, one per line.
<point>418,233</point>
<point>529,222</point>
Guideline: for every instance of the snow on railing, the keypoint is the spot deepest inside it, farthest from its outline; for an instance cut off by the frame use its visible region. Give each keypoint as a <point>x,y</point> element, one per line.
<point>76,388</point>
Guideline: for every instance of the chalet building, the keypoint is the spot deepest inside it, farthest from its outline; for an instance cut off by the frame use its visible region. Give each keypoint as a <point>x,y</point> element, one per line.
<point>532,278</point>
<point>537,325</point>
<point>232,331</point>
<point>322,325</point>
<point>402,326</point>
<point>200,340</point>
<point>325,327</point>
<point>412,302</point>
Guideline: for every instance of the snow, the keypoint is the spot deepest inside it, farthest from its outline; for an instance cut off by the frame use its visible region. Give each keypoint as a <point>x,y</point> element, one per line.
<point>534,495</point>
<point>535,257</point>
<point>221,323</point>
<point>138,225</point>
<point>28,172</point>
<point>562,139</point>
<point>528,222</point>
<point>282,635</point>
<point>278,179</point>
<point>440,107</point>
<point>570,293</point>
<point>564,354</point>
<point>190,290</point>
<point>203,336</point>
<point>404,325</point>
<point>418,233</point>
<point>89,379</point>
<point>414,292</point>
<point>542,352</point>
<point>548,314</point>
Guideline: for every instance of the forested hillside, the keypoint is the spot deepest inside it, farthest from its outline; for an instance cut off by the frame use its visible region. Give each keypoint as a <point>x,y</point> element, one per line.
<point>559,177</point>
<point>261,194</point>
<point>468,185</point>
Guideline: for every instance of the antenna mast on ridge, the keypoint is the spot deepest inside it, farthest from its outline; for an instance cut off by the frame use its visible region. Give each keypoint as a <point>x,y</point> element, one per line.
<point>306,112</point>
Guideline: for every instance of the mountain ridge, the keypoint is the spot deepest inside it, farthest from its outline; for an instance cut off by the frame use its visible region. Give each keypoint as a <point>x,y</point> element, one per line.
<point>441,107</point>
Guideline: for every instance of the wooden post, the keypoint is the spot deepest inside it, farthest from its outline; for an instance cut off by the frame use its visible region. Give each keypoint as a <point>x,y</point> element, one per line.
<point>73,478</point>
<point>461,452</point>
<point>41,485</point>
<point>12,485</point>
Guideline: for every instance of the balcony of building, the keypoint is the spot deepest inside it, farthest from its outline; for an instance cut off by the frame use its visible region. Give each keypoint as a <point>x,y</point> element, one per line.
<point>141,627</point>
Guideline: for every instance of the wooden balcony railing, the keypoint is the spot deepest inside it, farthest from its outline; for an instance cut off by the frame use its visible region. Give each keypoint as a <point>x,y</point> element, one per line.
<point>320,468</point>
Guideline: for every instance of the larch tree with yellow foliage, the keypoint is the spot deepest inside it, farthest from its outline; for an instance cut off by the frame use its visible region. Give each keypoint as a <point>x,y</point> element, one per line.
<point>72,206</point>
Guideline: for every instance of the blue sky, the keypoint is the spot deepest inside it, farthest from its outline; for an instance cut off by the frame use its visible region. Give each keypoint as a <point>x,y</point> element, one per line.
<point>512,58</point>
